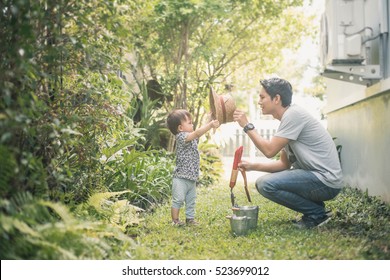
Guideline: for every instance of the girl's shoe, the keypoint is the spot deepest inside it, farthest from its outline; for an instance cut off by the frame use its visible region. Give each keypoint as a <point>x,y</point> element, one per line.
<point>192,222</point>
<point>177,223</point>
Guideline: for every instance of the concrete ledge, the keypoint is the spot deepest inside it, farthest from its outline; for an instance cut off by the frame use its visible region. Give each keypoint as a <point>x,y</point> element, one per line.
<point>341,94</point>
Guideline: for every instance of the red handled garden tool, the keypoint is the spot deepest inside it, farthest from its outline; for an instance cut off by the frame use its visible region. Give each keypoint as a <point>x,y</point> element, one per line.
<point>233,177</point>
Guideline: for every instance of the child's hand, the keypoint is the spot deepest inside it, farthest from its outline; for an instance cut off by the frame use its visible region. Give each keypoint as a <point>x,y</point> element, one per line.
<point>215,123</point>
<point>210,117</point>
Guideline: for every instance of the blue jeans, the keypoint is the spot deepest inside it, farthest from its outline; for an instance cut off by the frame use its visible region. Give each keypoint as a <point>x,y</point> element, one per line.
<point>184,192</point>
<point>297,189</point>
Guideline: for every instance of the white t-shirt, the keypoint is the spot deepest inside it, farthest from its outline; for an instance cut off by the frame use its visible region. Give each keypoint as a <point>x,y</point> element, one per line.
<point>310,147</point>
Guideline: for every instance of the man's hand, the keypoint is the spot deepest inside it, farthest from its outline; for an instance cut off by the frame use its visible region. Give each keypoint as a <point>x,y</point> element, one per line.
<point>240,117</point>
<point>245,166</point>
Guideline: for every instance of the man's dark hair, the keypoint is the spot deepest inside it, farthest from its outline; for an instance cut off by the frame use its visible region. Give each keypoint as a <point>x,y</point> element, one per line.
<point>274,86</point>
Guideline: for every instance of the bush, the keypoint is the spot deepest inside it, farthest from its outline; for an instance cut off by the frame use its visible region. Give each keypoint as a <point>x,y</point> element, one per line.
<point>146,174</point>
<point>210,164</point>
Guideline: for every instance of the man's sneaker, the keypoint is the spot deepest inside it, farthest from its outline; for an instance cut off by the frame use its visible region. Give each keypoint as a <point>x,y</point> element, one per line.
<point>177,223</point>
<point>308,222</point>
<point>298,219</point>
<point>192,222</point>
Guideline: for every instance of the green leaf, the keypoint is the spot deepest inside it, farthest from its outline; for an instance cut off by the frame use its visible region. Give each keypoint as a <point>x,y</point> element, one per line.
<point>109,152</point>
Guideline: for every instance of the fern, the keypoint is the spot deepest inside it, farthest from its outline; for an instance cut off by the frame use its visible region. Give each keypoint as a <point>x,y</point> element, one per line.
<point>119,213</point>
<point>97,200</point>
<point>61,210</point>
<point>37,229</point>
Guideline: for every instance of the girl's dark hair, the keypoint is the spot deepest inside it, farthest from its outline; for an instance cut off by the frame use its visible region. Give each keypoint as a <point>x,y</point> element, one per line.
<point>274,86</point>
<point>175,118</point>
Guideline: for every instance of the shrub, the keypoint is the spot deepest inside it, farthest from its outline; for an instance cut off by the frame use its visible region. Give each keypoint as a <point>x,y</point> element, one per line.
<point>210,164</point>
<point>31,228</point>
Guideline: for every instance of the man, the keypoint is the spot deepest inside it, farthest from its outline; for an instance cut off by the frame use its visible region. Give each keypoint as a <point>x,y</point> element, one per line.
<point>308,171</point>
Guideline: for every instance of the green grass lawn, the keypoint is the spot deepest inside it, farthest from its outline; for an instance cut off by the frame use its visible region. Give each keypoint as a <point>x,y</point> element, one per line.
<point>360,229</point>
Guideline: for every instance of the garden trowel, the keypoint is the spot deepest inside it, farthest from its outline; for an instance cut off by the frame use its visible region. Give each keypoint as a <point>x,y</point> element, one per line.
<point>233,177</point>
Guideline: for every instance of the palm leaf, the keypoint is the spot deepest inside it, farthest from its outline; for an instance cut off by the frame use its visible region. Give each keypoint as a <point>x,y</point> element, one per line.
<point>111,151</point>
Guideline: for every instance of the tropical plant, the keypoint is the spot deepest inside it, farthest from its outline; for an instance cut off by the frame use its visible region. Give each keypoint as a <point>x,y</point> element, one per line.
<point>148,115</point>
<point>36,229</point>
<point>147,174</point>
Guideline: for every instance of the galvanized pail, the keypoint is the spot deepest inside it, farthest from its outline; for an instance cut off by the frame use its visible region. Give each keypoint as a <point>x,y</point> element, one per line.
<point>248,211</point>
<point>239,224</point>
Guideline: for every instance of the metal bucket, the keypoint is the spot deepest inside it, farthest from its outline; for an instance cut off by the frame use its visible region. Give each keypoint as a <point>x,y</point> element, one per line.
<point>239,224</point>
<point>248,211</point>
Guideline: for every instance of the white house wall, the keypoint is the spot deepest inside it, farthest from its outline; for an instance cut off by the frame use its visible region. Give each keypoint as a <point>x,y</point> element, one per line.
<point>360,119</point>
<point>358,93</point>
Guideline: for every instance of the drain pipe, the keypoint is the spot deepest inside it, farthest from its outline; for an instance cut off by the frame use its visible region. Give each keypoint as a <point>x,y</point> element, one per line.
<point>384,37</point>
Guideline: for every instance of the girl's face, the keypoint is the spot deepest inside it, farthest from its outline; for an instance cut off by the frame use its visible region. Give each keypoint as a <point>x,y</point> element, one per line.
<point>186,125</point>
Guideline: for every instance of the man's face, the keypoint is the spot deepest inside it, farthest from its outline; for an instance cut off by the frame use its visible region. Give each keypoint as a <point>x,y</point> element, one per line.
<point>265,102</point>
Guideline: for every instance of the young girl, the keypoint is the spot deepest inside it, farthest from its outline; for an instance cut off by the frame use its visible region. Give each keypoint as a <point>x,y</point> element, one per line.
<point>186,173</point>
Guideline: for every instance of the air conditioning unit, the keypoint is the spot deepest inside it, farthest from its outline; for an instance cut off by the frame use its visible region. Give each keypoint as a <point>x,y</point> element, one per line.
<point>342,25</point>
<point>345,46</point>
